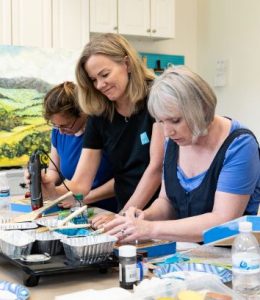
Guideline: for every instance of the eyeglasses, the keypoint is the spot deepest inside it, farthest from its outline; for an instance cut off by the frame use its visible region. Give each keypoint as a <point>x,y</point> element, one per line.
<point>64,127</point>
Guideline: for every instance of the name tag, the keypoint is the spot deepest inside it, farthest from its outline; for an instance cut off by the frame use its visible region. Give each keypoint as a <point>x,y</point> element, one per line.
<point>144,138</point>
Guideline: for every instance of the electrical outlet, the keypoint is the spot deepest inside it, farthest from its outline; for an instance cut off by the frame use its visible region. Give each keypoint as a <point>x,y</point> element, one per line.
<point>221,73</point>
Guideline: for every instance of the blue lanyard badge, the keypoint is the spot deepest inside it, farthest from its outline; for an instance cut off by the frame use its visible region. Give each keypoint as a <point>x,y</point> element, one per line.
<point>144,138</point>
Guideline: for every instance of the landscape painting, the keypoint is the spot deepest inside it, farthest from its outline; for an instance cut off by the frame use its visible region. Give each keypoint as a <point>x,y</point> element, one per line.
<point>26,75</point>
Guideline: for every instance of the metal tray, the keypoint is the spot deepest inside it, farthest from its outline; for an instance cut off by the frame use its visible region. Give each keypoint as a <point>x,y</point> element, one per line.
<point>56,265</point>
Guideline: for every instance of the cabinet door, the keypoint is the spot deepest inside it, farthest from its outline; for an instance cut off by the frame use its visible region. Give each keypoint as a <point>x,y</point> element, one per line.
<point>5,22</point>
<point>162,18</point>
<point>31,23</point>
<point>70,23</point>
<point>103,16</point>
<point>134,17</point>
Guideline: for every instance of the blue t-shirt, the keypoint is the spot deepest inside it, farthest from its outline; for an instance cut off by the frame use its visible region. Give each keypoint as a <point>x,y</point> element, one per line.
<point>240,173</point>
<point>69,149</point>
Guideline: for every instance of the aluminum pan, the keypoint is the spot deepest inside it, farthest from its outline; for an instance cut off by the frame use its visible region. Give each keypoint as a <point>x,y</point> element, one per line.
<point>15,243</point>
<point>48,242</point>
<point>89,249</point>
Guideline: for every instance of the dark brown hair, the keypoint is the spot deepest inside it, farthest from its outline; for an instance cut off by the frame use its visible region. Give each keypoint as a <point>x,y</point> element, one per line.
<point>61,99</point>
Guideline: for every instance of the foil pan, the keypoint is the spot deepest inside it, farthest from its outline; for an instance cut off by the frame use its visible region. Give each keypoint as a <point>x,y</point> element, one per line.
<point>48,242</point>
<point>89,249</point>
<point>48,221</point>
<point>5,219</point>
<point>15,243</point>
<point>18,226</point>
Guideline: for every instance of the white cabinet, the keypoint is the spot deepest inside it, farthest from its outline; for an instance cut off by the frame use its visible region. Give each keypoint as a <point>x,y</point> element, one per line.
<point>145,18</point>
<point>134,17</point>
<point>163,18</point>
<point>70,23</point>
<point>45,23</point>
<point>103,16</point>
<point>31,23</point>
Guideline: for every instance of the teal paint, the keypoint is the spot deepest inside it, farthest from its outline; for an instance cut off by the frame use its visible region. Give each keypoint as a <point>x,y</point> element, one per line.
<point>164,58</point>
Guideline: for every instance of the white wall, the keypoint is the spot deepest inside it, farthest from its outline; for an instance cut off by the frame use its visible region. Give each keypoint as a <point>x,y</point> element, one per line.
<point>229,29</point>
<point>185,41</point>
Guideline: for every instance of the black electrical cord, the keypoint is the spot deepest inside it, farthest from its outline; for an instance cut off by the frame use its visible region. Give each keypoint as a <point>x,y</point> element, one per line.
<point>59,172</point>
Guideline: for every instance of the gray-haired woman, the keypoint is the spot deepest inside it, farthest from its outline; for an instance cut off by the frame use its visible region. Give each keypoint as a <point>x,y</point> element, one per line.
<point>209,176</point>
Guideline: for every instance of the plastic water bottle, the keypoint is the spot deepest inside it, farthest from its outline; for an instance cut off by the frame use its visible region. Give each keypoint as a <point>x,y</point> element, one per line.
<point>246,263</point>
<point>4,192</point>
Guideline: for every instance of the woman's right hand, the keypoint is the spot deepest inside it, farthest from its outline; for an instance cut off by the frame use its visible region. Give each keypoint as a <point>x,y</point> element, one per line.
<point>100,220</point>
<point>48,186</point>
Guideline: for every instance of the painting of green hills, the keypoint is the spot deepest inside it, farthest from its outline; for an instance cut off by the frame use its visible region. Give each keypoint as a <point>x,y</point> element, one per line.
<point>26,75</point>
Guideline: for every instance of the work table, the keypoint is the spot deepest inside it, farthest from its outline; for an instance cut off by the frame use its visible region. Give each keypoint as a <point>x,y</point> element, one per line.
<point>55,285</point>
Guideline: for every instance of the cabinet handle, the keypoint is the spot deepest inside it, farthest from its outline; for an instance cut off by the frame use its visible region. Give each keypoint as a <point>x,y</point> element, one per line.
<point>115,28</point>
<point>148,30</point>
<point>154,30</point>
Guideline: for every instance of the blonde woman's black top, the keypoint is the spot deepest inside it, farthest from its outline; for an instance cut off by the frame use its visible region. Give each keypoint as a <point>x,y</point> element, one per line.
<point>126,141</point>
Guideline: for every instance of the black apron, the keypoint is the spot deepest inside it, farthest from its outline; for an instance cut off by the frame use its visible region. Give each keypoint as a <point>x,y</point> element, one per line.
<point>201,199</point>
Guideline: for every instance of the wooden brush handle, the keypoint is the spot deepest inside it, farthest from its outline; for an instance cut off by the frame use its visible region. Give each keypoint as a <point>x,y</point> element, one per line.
<point>52,203</point>
<point>73,215</point>
<point>75,226</point>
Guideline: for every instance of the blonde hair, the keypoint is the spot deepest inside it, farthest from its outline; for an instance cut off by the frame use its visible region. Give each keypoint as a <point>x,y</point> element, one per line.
<point>189,92</point>
<point>117,48</point>
<point>61,98</point>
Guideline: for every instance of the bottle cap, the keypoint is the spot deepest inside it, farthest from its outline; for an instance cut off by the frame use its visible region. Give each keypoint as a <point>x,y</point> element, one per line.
<point>245,226</point>
<point>127,251</point>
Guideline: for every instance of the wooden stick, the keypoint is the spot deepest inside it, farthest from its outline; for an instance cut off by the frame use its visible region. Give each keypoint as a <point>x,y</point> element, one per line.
<point>36,213</point>
<point>64,221</point>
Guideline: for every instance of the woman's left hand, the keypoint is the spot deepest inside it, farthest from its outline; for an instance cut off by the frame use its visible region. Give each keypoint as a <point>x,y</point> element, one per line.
<point>128,229</point>
<point>68,203</point>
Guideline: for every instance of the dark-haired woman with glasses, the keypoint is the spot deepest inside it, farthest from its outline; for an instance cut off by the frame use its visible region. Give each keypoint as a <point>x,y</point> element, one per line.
<point>61,110</point>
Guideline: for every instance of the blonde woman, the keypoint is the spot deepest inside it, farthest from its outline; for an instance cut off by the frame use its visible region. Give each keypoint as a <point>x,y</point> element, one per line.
<point>113,88</point>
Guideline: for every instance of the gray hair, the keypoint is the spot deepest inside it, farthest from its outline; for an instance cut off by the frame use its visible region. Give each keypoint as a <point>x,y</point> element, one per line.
<point>189,92</point>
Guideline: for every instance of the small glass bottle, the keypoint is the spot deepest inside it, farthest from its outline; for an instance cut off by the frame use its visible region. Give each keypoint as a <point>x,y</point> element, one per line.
<point>127,266</point>
<point>82,218</point>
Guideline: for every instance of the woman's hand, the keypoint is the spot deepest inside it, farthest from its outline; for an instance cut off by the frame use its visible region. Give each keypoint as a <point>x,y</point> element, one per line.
<point>48,186</point>
<point>128,229</point>
<point>68,203</point>
<point>100,220</point>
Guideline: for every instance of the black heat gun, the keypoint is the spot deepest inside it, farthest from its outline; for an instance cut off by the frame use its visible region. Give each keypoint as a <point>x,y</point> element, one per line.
<point>34,168</point>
